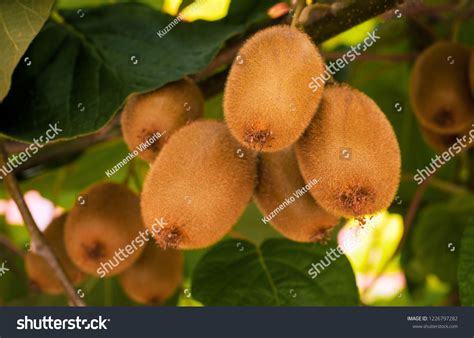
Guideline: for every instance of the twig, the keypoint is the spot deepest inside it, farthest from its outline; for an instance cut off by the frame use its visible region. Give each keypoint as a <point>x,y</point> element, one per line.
<point>300,4</point>
<point>37,237</point>
<point>407,221</point>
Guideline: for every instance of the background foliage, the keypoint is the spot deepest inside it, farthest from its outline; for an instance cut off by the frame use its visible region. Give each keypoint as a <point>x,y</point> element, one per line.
<point>90,55</point>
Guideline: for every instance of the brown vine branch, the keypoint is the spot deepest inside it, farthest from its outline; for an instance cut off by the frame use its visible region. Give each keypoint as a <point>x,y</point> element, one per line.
<point>300,4</point>
<point>37,238</point>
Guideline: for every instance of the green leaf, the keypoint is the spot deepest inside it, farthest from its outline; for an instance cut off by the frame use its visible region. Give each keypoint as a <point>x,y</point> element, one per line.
<point>63,185</point>
<point>238,273</point>
<point>83,68</point>
<point>20,21</point>
<point>436,239</point>
<point>466,268</point>
<point>82,4</point>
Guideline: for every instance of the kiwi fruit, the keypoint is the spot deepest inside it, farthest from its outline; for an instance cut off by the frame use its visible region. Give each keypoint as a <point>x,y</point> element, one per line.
<point>154,277</point>
<point>352,149</point>
<point>267,99</point>
<point>441,142</point>
<point>154,116</point>
<point>98,233</point>
<point>280,180</point>
<point>439,89</point>
<point>200,184</point>
<point>38,270</point>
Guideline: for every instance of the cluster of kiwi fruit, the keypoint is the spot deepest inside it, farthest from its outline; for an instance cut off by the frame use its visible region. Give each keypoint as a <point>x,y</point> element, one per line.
<point>277,136</point>
<point>442,93</point>
<point>92,233</point>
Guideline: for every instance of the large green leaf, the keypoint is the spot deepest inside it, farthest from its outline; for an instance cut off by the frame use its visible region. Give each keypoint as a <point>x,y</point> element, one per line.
<point>20,21</point>
<point>466,268</point>
<point>238,273</point>
<point>436,239</point>
<point>83,68</point>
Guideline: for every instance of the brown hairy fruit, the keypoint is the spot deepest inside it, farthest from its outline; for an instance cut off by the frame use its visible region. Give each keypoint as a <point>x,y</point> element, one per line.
<point>439,89</point>
<point>442,142</point>
<point>154,277</point>
<point>267,99</point>
<point>200,184</point>
<point>39,271</point>
<point>108,222</point>
<point>280,179</point>
<point>351,147</point>
<point>162,111</point>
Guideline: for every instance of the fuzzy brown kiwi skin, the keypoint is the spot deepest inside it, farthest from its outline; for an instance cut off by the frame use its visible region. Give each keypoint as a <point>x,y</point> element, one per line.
<point>154,277</point>
<point>303,220</point>
<point>439,89</point>
<point>199,185</point>
<point>367,181</point>
<point>267,99</point>
<point>107,223</point>
<point>38,270</point>
<point>442,142</point>
<point>162,111</point>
